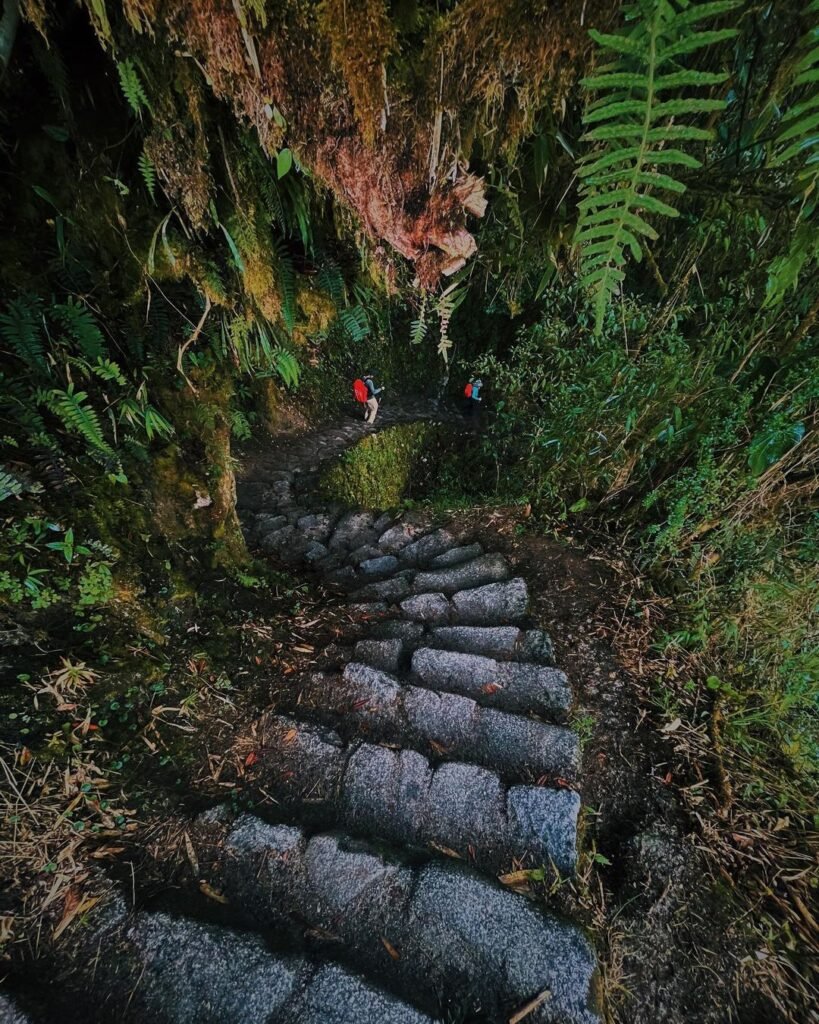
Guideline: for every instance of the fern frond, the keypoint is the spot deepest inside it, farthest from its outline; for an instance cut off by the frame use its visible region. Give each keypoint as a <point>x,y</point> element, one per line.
<point>331,280</point>
<point>287,367</point>
<point>132,88</point>
<point>20,330</point>
<point>79,324</point>
<point>79,418</point>
<point>355,323</point>
<point>148,172</point>
<point>418,328</point>
<point>286,275</point>
<point>627,175</point>
<point>110,371</point>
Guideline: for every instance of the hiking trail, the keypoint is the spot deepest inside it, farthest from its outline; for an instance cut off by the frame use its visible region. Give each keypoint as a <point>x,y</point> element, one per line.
<point>430,756</point>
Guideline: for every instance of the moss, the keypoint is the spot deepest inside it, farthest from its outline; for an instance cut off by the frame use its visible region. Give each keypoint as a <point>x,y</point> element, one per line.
<point>379,471</point>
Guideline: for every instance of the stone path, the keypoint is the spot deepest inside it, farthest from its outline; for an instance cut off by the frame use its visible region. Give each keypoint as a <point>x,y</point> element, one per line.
<point>432,756</point>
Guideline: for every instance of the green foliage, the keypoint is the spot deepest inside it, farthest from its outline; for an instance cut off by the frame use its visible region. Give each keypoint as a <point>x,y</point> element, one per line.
<point>29,576</point>
<point>78,417</point>
<point>148,172</point>
<point>637,132</point>
<point>20,330</point>
<point>132,88</point>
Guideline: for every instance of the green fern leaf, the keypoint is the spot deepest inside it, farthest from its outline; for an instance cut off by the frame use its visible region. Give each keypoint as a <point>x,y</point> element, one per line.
<point>630,125</point>
<point>20,330</point>
<point>286,275</point>
<point>132,88</point>
<point>80,325</point>
<point>418,328</point>
<point>148,172</point>
<point>79,418</point>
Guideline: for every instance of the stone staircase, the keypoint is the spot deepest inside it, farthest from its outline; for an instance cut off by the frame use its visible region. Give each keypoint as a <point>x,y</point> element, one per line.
<point>428,756</point>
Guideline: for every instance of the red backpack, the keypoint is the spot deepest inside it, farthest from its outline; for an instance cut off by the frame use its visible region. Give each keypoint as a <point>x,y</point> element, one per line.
<point>360,390</point>
<point>468,390</point>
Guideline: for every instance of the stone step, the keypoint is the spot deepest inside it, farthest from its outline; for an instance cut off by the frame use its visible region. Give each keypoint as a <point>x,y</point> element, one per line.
<point>398,796</point>
<point>352,530</point>
<point>486,569</point>
<point>506,643</point>
<point>494,604</point>
<point>427,547</point>
<point>399,535</point>
<point>509,685</point>
<point>436,933</point>
<point>454,556</point>
<point>370,702</point>
<point>491,605</point>
<point>171,970</point>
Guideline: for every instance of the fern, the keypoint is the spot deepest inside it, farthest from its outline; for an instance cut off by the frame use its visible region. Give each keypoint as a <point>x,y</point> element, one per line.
<point>355,323</point>
<point>287,284</point>
<point>11,486</point>
<point>419,327</point>
<point>110,371</point>
<point>132,88</point>
<point>331,280</point>
<point>81,327</point>
<point>798,136</point>
<point>79,418</point>
<point>796,148</point>
<point>287,366</point>
<point>148,172</point>
<point>636,143</point>
<point>20,330</point>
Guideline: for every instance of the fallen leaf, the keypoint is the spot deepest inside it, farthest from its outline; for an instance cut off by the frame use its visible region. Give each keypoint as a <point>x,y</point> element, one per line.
<point>672,726</point>
<point>391,949</point>
<point>212,894</point>
<point>74,912</point>
<point>289,736</point>
<point>251,759</point>
<point>490,688</point>
<point>191,855</point>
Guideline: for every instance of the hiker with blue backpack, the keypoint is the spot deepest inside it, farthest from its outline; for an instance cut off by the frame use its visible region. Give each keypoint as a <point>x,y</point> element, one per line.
<point>366,392</point>
<point>472,393</point>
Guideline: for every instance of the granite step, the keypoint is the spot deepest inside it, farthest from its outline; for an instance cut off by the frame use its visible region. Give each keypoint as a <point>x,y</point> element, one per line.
<point>509,685</point>
<point>454,556</point>
<point>307,771</point>
<point>428,547</point>
<point>491,605</point>
<point>505,643</point>
<point>175,970</point>
<point>487,569</point>
<point>436,933</point>
<point>369,702</point>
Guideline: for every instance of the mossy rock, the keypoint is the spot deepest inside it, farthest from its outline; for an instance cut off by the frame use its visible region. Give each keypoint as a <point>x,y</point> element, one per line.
<point>379,471</point>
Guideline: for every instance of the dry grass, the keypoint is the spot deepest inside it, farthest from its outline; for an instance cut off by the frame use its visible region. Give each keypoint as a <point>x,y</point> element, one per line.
<point>766,856</point>
<point>55,823</point>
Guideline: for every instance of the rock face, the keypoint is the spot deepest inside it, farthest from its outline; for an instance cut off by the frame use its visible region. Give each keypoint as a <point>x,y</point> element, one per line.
<point>428,757</point>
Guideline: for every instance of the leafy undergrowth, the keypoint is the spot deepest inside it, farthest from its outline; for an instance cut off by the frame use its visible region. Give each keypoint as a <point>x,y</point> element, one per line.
<point>93,754</point>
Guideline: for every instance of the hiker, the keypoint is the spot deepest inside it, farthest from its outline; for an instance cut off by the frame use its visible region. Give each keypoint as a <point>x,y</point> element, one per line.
<point>472,391</point>
<point>372,400</point>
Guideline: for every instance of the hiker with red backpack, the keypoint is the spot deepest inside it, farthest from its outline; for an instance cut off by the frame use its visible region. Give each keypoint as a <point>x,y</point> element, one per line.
<point>365,391</point>
<point>472,393</point>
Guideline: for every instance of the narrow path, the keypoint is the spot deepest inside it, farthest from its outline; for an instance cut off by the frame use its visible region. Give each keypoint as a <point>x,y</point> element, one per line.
<point>388,791</point>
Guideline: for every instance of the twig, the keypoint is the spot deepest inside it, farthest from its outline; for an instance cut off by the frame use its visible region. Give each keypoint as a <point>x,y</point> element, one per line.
<point>184,348</point>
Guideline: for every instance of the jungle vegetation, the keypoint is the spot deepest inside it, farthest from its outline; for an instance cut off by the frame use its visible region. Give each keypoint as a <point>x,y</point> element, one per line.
<point>215,213</point>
